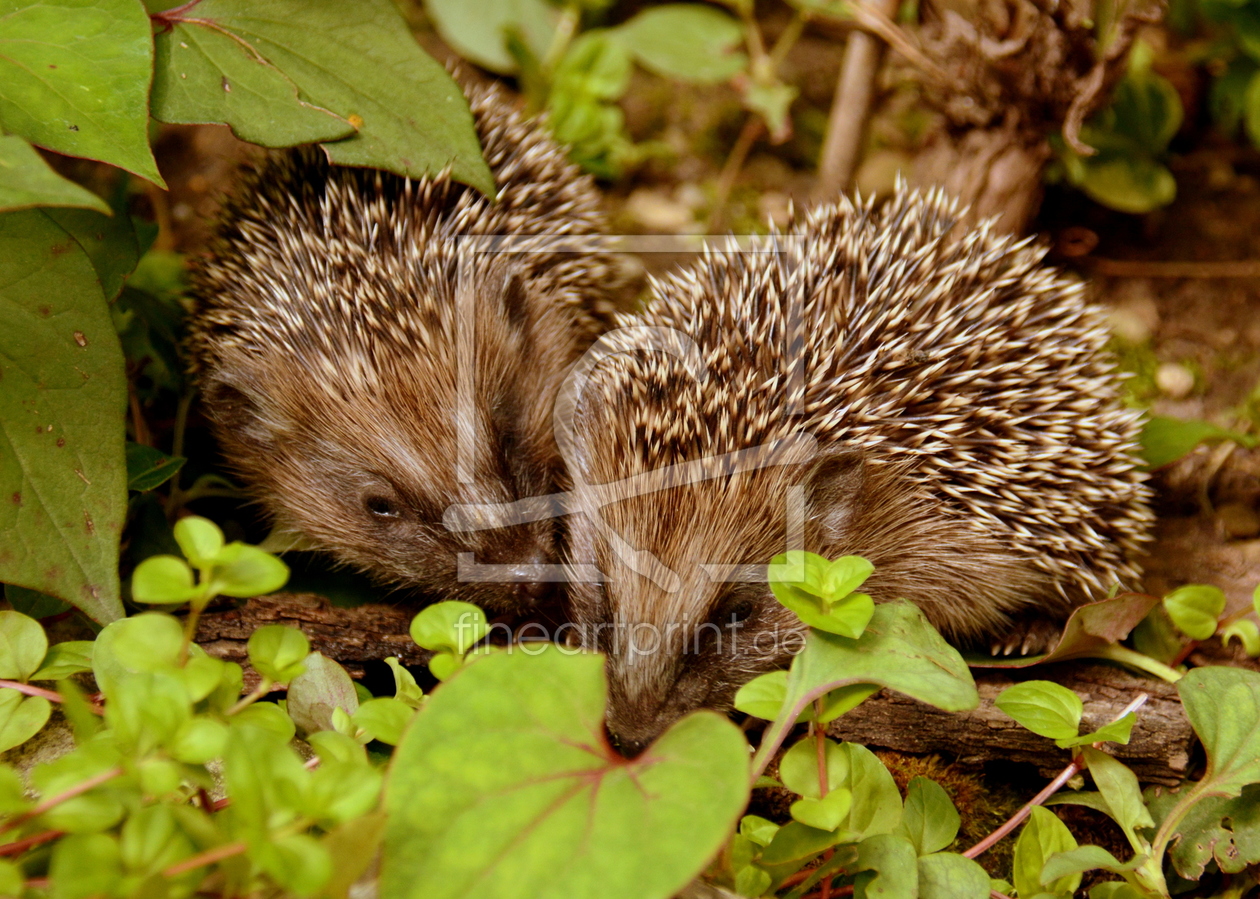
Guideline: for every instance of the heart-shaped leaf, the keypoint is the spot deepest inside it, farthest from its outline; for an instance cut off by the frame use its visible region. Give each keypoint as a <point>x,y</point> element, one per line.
<point>827,813</point>
<point>21,717</point>
<point>505,792</point>
<point>1195,609</point>
<point>23,645</point>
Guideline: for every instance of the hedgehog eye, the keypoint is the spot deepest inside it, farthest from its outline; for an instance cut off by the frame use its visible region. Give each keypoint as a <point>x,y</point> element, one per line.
<point>382,507</point>
<point>734,609</point>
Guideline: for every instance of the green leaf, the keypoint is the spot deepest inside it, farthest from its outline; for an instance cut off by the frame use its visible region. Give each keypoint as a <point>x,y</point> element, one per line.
<point>449,626</point>
<point>477,32</point>
<point>317,691</point>
<point>821,592</point>
<point>33,603</point>
<point>570,815</point>
<point>198,740</point>
<point>26,180</point>
<point>353,848</point>
<point>278,652</point>
<point>1147,108</point>
<point>876,805</point>
<point>148,468</point>
<point>65,659</point>
<point>947,875</point>
<point>269,717</point>
<point>298,863</point>
<point>1219,829</point>
<point>75,78</point>
<point>1044,707</point>
<point>762,697</point>
<point>1248,634</point>
<point>12,883</point>
<point>384,718</point>
<point>685,41</point>
<point>1232,740</point>
<point>206,74</point>
<point>1075,862</point>
<point>1166,440</point>
<point>22,645</point>
<point>899,650</point>
<point>772,101</point>
<point>21,717</point>
<point>62,475</point>
<point>152,840</point>
<point>85,865</point>
<point>247,571</point>
<point>794,845</point>
<point>405,687</point>
<point>893,861</point>
<point>357,60</point>
<point>929,820</point>
<point>163,580</point>
<point>1115,732</point>
<point>151,641</point>
<point>1119,787</point>
<point>827,813</point>
<point>1043,836</point>
<point>1195,609</point>
<point>200,540</point>
<point>109,241</point>
<point>758,829</point>
<point>1091,630</point>
<point>1128,183</point>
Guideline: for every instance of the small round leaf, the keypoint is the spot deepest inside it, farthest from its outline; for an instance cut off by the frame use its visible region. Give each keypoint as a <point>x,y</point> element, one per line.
<point>449,626</point>
<point>200,539</point>
<point>246,571</point>
<point>278,652</point>
<point>23,645</point>
<point>1044,707</point>
<point>163,580</point>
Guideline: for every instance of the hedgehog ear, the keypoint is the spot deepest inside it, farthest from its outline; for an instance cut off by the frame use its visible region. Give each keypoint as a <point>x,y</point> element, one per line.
<point>236,412</point>
<point>834,488</point>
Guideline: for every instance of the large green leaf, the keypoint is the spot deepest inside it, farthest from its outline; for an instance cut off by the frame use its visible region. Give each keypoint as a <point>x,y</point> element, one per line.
<point>74,77</point>
<point>685,41</point>
<point>356,60</point>
<point>478,31</point>
<point>506,787</point>
<point>108,241</point>
<point>62,468</point>
<point>1223,705</point>
<point>26,180</point>
<point>899,650</point>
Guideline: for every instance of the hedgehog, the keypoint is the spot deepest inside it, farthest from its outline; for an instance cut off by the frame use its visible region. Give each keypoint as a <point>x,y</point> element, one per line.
<point>872,383</point>
<point>326,337</point>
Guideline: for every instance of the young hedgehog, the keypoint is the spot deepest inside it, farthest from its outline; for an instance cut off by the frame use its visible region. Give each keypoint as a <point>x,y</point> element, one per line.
<point>942,400</point>
<point>327,344</point>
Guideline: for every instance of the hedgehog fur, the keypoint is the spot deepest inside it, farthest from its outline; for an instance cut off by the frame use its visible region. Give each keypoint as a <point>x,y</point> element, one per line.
<point>325,339</point>
<point>970,442</point>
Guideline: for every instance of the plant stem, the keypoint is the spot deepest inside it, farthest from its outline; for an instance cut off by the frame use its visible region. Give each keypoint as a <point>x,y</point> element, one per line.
<point>263,688</point>
<point>1126,656</point>
<point>50,695</point>
<point>730,171</point>
<point>1075,766</point>
<point>209,857</point>
<point>20,846</point>
<point>54,801</point>
<point>846,124</point>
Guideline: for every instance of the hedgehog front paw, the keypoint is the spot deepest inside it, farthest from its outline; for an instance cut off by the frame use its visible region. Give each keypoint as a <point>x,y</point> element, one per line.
<point>1028,637</point>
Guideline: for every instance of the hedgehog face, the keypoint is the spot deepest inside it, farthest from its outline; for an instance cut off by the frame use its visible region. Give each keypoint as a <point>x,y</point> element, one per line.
<point>684,613</point>
<point>362,455</point>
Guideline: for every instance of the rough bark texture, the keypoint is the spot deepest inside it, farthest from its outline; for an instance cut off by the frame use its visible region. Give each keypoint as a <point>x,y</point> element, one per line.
<point>1016,72</point>
<point>351,636</point>
<point>1160,750</point>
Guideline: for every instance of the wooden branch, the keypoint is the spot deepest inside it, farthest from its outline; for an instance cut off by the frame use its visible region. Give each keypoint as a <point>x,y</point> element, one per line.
<point>846,124</point>
<point>351,636</point>
<point>1159,751</point>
